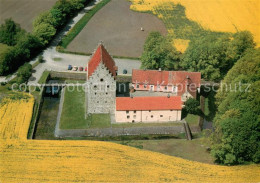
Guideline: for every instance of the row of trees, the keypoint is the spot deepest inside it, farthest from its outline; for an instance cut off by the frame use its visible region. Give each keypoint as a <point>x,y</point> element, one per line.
<point>25,45</point>
<point>212,56</point>
<point>236,138</point>
<point>47,23</point>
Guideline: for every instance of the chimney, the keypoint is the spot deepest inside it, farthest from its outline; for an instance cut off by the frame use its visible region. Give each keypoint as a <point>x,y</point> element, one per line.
<point>160,69</point>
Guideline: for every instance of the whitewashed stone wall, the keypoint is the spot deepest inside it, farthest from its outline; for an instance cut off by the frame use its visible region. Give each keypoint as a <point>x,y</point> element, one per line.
<point>101,91</point>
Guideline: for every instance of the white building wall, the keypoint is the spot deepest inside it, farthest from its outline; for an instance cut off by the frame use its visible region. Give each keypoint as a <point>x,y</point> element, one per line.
<point>148,116</point>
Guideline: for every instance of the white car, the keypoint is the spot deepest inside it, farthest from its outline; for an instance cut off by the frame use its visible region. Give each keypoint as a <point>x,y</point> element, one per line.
<point>75,68</point>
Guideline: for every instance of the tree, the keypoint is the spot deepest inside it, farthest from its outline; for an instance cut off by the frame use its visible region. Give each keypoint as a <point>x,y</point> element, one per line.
<point>59,18</point>
<point>44,32</point>
<point>9,32</point>
<point>45,17</point>
<point>236,138</point>
<point>8,61</point>
<point>192,106</point>
<point>77,4</point>
<point>24,73</point>
<point>215,56</point>
<point>159,53</point>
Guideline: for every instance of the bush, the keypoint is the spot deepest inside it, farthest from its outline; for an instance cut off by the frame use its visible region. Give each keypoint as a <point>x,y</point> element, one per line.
<point>40,59</point>
<point>24,73</point>
<point>192,106</point>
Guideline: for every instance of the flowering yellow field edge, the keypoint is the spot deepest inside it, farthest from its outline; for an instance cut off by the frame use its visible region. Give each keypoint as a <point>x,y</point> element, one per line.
<point>23,160</point>
<point>214,15</point>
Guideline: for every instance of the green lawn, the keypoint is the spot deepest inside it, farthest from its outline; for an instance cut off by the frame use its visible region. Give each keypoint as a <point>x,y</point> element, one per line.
<point>100,121</point>
<point>44,77</point>
<point>192,119</point>
<point>73,113</point>
<point>194,150</point>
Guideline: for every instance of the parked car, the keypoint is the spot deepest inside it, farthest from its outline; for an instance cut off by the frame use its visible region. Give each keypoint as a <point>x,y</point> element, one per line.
<point>81,68</point>
<point>86,68</point>
<point>75,68</point>
<point>70,67</point>
<point>124,71</point>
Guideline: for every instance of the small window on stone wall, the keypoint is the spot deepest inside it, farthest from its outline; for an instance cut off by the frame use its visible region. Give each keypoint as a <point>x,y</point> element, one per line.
<point>128,117</point>
<point>101,80</point>
<point>151,116</point>
<point>161,116</point>
<point>107,86</point>
<point>134,111</point>
<point>127,112</point>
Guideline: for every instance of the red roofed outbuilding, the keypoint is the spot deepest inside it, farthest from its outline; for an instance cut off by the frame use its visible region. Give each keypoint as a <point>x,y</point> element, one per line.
<point>148,109</point>
<point>182,83</point>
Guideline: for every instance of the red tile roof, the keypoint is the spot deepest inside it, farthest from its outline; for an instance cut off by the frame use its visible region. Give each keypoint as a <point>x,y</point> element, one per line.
<point>154,77</point>
<point>164,78</point>
<point>148,103</point>
<point>101,55</point>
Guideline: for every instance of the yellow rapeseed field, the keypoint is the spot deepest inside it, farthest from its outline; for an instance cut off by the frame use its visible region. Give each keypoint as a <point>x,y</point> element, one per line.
<point>216,15</point>
<point>24,160</point>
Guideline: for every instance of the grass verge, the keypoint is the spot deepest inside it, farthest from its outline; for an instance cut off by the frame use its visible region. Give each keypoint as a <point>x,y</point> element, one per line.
<point>192,119</point>
<point>81,24</point>
<point>44,77</point>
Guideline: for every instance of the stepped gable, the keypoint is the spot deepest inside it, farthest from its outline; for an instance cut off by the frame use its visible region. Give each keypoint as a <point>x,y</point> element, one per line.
<point>101,56</point>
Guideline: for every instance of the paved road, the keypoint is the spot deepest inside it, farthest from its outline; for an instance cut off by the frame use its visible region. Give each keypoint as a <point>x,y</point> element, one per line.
<point>50,54</point>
